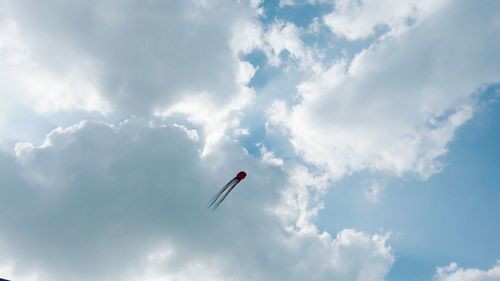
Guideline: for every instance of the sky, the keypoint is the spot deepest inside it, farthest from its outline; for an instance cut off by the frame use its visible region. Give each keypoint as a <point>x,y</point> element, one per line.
<point>368,129</point>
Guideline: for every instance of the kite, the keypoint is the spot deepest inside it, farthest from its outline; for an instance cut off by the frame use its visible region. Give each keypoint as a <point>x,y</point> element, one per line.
<point>217,199</point>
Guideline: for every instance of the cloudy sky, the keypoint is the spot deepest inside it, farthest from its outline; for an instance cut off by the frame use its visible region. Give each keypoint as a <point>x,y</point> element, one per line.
<point>369,130</point>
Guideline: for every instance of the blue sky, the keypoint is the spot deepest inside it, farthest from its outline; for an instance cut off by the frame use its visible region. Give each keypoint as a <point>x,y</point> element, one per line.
<point>369,131</point>
<point>451,216</point>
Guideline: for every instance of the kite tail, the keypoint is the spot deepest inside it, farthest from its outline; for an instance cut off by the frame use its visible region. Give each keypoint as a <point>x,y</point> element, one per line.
<point>224,197</point>
<point>224,188</point>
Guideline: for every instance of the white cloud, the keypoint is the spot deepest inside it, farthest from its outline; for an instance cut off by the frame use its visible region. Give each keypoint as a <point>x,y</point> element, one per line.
<point>315,26</point>
<point>8,270</point>
<point>453,273</point>
<point>269,157</point>
<point>217,120</point>
<point>284,3</point>
<point>257,5</point>
<point>396,105</point>
<point>286,36</point>
<point>125,58</point>
<point>356,19</point>
<point>247,36</point>
<point>373,193</point>
<point>100,201</point>
<point>352,245</point>
<point>26,81</point>
<point>134,57</point>
<point>276,40</point>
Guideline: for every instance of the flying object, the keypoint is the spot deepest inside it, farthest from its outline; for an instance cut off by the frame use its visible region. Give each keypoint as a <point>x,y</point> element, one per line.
<point>217,199</point>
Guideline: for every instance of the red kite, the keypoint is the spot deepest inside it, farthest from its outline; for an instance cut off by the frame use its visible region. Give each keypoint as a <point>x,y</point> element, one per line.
<point>215,201</point>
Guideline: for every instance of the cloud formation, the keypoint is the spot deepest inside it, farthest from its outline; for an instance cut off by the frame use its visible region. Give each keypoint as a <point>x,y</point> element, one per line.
<point>355,20</point>
<point>99,201</point>
<point>453,273</point>
<point>111,200</point>
<point>397,104</point>
<point>140,56</point>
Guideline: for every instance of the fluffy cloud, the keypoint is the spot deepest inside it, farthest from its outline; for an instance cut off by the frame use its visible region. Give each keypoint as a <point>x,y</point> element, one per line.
<point>453,273</point>
<point>135,57</point>
<point>355,19</point>
<point>373,193</point>
<point>123,58</point>
<point>397,104</point>
<point>104,202</point>
<point>26,81</point>
<point>284,36</point>
<point>284,3</point>
<point>276,40</point>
